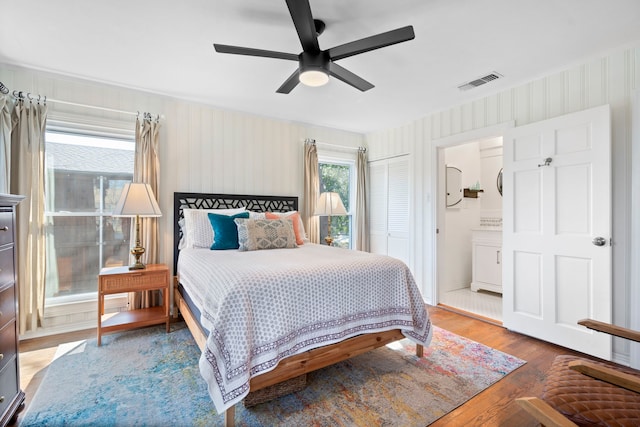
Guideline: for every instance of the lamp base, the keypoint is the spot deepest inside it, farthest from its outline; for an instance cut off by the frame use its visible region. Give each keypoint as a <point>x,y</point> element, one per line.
<point>137,252</point>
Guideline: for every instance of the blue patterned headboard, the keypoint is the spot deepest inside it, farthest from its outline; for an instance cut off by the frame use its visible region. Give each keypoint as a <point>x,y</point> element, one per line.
<point>223,201</point>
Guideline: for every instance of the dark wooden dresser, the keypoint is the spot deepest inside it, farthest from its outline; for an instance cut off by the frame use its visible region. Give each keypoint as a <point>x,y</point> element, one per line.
<point>11,397</point>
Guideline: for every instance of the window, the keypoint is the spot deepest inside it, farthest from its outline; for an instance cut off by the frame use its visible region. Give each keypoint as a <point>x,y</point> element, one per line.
<point>338,176</point>
<point>84,177</point>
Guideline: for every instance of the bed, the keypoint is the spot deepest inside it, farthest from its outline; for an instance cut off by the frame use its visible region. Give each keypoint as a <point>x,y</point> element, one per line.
<point>263,318</point>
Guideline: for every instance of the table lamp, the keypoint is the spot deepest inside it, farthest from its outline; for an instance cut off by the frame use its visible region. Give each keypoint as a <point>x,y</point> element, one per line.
<point>137,200</point>
<point>329,204</point>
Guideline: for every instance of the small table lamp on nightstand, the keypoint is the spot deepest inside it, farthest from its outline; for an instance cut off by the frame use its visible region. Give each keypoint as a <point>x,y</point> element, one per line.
<point>329,204</point>
<point>137,200</point>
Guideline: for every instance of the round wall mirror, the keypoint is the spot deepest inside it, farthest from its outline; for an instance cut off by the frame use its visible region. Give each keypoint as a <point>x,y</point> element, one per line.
<point>499,182</point>
<point>454,186</point>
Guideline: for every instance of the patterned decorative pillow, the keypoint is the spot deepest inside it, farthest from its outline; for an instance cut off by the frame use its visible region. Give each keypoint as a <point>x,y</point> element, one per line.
<point>256,234</point>
<point>197,231</point>
<point>295,219</point>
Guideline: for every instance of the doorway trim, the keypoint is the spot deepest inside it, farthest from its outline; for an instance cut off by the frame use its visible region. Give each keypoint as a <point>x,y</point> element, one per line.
<point>634,252</point>
<point>437,207</point>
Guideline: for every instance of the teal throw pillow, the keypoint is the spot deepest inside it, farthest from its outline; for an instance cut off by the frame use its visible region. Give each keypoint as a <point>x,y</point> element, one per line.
<point>225,231</point>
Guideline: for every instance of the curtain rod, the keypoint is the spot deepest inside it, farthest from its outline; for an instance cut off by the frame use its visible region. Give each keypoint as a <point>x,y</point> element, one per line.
<point>343,147</point>
<point>28,95</point>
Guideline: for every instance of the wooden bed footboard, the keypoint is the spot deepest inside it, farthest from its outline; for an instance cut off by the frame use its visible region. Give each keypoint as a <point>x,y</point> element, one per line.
<point>299,364</point>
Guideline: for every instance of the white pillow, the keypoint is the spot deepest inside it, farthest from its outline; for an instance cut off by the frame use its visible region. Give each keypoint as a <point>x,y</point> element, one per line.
<point>256,215</point>
<point>197,231</point>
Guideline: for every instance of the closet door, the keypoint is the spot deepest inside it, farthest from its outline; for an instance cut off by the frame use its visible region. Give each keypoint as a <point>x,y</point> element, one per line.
<point>389,209</point>
<point>378,193</point>
<point>398,209</point>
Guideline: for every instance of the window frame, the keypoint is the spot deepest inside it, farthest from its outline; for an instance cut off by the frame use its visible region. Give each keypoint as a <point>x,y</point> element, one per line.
<point>94,127</point>
<point>351,163</point>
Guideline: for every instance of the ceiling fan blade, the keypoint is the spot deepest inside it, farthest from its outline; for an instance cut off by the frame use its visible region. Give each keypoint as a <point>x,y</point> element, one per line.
<point>348,77</point>
<point>300,11</point>
<point>370,43</point>
<point>290,83</point>
<point>237,50</point>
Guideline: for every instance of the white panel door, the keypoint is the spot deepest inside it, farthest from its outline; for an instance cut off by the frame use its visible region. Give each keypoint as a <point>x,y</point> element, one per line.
<point>378,207</point>
<point>389,208</point>
<point>398,209</point>
<point>557,229</point>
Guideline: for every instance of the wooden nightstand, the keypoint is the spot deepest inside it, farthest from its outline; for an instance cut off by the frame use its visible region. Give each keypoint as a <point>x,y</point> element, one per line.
<point>118,280</point>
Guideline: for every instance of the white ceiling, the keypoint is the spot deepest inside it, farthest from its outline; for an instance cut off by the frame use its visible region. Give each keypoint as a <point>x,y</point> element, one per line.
<point>165,46</point>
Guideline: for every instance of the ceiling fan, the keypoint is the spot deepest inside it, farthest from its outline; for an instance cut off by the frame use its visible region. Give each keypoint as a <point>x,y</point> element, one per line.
<point>315,65</point>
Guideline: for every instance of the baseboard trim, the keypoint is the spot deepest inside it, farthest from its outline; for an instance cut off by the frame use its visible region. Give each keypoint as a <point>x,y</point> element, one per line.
<point>75,316</point>
<point>469,314</point>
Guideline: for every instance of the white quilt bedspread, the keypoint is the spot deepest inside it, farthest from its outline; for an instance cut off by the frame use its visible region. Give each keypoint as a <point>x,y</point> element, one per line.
<point>263,306</point>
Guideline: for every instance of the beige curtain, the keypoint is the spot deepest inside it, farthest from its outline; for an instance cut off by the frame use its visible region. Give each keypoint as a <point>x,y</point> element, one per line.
<point>27,179</point>
<point>362,192</point>
<point>147,169</point>
<point>5,142</point>
<point>311,191</point>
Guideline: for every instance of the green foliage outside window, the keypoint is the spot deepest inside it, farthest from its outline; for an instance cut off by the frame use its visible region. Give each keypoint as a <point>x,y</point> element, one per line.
<point>337,178</point>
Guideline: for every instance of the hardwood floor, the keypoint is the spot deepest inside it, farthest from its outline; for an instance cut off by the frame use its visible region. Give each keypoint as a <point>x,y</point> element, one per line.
<point>35,356</point>
<point>493,407</point>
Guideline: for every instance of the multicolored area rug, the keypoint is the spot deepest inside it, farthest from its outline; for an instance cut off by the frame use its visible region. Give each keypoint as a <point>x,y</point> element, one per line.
<point>148,377</point>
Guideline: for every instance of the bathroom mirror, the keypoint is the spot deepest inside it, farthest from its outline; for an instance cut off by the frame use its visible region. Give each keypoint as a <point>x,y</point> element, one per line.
<point>454,186</point>
<point>499,182</point>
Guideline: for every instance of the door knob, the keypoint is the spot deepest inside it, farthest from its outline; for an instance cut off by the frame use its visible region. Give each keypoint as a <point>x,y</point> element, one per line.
<point>599,241</point>
<point>547,162</point>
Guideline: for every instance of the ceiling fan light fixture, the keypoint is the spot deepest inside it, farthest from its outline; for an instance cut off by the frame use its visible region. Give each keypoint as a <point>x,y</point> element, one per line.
<point>314,64</point>
<point>314,78</point>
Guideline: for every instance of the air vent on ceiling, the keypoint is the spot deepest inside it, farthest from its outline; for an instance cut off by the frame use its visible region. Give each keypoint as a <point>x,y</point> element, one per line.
<point>480,81</point>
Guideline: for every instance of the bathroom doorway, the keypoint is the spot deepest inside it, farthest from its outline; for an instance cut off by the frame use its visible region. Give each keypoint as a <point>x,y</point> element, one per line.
<point>470,228</point>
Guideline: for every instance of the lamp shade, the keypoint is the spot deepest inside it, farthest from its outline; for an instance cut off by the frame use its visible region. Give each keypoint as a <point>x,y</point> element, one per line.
<point>330,203</point>
<point>137,199</point>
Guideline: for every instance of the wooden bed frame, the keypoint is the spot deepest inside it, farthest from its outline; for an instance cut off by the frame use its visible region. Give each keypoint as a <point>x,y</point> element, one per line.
<point>293,366</point>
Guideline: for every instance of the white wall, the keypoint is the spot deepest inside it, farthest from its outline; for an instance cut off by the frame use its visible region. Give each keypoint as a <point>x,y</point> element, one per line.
<point>490,166</point>
<point>459,220</point>
<point>609,80</point>
<point>221,151</point>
